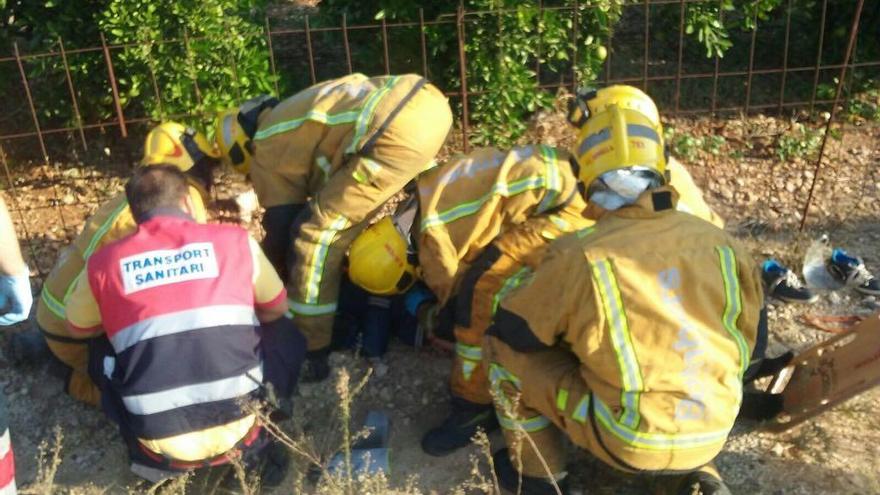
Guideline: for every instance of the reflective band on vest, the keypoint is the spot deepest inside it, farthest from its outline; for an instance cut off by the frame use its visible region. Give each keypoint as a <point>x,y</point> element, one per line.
<point>348,117</point>
<point>621,341</point>
<point>315,265</point>
<point>183,321</point>
<point>562,399</point>
<point>472,352</point>
<point>582,410</point>
<point>471,207</point>
<point>200,393</point>
<point>733,304</point>
<point>553,179</point>
<point>529,425</point>
<point>655,441</point>
<point>298,308</point>
<point>510,283</point>
<point>366,113</point>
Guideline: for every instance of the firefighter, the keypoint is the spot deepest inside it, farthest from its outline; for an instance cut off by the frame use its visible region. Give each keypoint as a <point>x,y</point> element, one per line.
<point>321,162</point>
<point>194,320</point>
<point>632,337</point>
<point>168,142</point>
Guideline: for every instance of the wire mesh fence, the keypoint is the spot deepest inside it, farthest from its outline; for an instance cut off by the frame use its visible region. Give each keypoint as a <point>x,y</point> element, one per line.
<point>784,65</point>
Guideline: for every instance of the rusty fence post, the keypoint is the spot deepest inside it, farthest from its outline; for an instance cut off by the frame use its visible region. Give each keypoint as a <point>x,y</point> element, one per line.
<point>462,68</point>
<point>424,44</point>
<point>386,58</point>
<point>272,56</point>
<point>113,88</point>
<point>14,200</point>
<point>818,56</point>
<point>751,67</point>
<point>73,99</point>
<point>785,59</point>
<point>311,54</point>
<point>853,35</point>
<point>345,43</point>
<point>680,55</point>
<point>646,48</point>
<point>717,64</point>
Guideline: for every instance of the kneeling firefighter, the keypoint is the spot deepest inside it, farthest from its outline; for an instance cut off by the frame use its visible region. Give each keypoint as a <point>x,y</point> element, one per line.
<point>632,337</point>
<point>168,142</point>
<point>321,162</point>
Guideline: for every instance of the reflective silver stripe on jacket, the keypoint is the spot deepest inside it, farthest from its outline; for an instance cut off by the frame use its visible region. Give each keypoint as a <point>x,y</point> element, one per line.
<point>183,321</point>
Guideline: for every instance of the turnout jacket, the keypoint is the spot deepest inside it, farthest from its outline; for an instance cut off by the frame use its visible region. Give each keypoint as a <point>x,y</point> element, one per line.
<point>661,310</point>
<point>345,146</point>
<point>177,304</point>
<point>466,203</point>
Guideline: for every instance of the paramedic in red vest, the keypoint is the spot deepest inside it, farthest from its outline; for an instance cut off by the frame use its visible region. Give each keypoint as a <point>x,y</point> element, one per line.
<point>194,314</point>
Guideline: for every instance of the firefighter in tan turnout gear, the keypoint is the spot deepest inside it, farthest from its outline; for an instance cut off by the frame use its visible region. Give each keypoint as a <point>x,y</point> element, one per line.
<point>170,143</point>
<point>322,162</point>
<point>633,335</point>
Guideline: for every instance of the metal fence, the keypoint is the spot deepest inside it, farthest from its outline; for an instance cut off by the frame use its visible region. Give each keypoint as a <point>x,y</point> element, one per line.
<point>640,66</point>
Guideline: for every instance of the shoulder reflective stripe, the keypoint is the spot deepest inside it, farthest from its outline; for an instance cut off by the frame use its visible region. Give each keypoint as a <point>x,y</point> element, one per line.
<point>498,373</point>
<point>467,368</point>
<point>315,265</point>
<point>52,304</point>
<point>183,321</point>
<point>367,111</point>
<point>313,115</point>
<point>582,409</point>
<point>471,207</point>
<point>562,399</point>
<point>510,283</point>
<point>560,223</point>
<point>551,168</point>
<point>733,303</point>
<point>201,393</point>
<point>472,352</point>
<point>655,441</point>
<point>585,232</point>
<point>102,230</point>
<point>621,340</point>
<point>298,308</point>
<point>530,425</point>
<point>323,164</point>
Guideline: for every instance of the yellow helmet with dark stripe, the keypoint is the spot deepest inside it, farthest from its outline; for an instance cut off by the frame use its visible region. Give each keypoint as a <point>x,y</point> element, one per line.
<point>175,144</point>
<point>379,262</point>
<point>619,127</point>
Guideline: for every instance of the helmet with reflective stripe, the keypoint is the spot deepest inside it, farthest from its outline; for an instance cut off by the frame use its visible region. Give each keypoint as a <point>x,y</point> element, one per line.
<point>172,143</point>
<point>235,129</point>
<point>378,260</point>
<point>619,128</point>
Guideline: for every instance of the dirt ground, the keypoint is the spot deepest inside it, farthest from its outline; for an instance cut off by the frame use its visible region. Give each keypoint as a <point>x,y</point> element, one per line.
<point>759,195</point>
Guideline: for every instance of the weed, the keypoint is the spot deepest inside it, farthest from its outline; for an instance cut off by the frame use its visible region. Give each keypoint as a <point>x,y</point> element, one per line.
<point>799,141</point>
<point>48,462</point>
<point>688,146</point>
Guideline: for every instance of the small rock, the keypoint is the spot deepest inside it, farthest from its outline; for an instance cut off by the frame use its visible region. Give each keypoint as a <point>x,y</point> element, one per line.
<point>778,449</point>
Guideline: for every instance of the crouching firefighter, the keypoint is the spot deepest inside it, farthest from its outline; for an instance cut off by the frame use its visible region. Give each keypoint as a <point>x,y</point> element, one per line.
<point>194,322</point>
<point>321,162</point>
<point>482,219</point>
<point>170,143</point>
<point>632,337</point>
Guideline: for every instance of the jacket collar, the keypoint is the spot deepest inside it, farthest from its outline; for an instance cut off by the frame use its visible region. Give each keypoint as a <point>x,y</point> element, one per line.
<point>165,212</point>
<point>651,203</point>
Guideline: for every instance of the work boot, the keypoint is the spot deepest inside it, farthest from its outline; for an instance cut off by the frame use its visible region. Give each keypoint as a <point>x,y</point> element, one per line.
<point>28,348</point>
<point>512,481</point>
<point>459,427</point>
<point>705,481</point>
<point>316,367</point>
<point>782,283</point>
<point>852,271</point>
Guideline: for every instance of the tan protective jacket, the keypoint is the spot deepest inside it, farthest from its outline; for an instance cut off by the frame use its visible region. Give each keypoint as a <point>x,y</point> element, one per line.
<point>690,196</point>
<point>110,222</point>
<point>468,202</point>
<point>661,309</point>
<point>345,146</point>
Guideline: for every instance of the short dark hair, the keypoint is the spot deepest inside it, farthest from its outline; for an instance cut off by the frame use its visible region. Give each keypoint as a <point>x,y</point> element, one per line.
<point>155,186</point>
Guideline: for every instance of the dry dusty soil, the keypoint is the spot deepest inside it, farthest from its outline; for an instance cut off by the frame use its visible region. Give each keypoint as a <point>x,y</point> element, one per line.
<point>760,196</point>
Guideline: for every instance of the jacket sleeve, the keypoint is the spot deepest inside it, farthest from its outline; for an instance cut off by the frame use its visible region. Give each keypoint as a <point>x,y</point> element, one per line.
<point>548,306</point>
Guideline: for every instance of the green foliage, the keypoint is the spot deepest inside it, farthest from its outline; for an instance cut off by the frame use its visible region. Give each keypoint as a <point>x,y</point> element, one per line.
<point>705,21</point>
<point>799,142</point>
<point>688,146</point>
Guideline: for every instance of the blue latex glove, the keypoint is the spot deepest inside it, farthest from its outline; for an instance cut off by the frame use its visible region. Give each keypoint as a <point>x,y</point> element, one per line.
<point>415,297</point>
<point>15,298</point>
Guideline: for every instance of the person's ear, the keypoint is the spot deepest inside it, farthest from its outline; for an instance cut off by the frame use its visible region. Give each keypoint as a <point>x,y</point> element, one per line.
<point>187,205</point>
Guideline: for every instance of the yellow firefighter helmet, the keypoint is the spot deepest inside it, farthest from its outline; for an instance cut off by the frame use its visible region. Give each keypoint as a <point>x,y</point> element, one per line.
<point>236,147</point>
<point>619,127</point>
<point>175,144</point>
<point>378,260</point>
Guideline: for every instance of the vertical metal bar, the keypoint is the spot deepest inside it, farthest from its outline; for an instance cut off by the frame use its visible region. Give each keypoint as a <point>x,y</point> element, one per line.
<point>462,69</point>
<point>120,117</point>
<point>680,54</point>
<point>345,43</point>
<point>73,100</point>
<point>717,63</point>
<point>272,57</point>
<point>14,199</point>
<point>608,51</point>
<point>574,44</point>
<point>236,82</point>
<point>819,56</point>
<point>751,66</point>
<point>30,100</point>
<point>156,92</point>
<point>540,46</point>
<point>646,49</point>
<point>310,52</point>
<point>385,47</point>
<point>424,45</point>
<point>192,69</point>
<point>785,59</point>
<point>853,35</point>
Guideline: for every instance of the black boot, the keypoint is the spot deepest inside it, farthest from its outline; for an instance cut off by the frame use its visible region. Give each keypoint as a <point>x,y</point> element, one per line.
<point>459,427</point>
<point>316,367</point>
<point>511,480</point>
<point>702,482</point>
